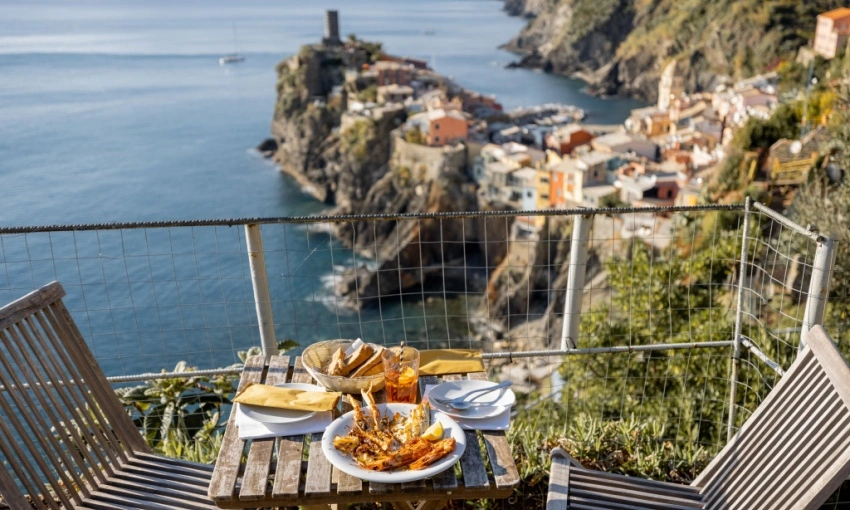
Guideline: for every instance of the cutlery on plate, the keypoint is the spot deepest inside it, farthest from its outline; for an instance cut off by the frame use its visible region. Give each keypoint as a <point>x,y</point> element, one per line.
<point>461,403</point>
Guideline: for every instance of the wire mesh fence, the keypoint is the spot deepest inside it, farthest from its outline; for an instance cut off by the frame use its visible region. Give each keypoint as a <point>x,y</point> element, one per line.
<point>655,296</point>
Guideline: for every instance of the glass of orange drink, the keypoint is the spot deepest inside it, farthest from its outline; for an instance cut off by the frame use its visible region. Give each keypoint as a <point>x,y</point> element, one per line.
<point>401,374</point>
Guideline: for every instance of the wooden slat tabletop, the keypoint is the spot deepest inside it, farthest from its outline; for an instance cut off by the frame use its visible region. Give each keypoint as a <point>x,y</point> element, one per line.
<point>272,472</point>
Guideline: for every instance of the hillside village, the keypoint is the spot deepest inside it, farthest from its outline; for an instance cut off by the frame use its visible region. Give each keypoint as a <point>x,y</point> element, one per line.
<point>372,133</point>
<point>544,157</point>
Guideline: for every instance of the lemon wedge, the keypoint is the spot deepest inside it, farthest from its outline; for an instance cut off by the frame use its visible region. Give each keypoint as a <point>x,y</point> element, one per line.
<point>434,432</point>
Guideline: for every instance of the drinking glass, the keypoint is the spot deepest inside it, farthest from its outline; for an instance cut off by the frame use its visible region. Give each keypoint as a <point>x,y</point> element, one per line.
<point>401,374</point>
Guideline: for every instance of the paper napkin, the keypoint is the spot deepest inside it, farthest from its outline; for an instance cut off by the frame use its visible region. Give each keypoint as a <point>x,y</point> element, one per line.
<point>287,398</point>
<point>250,428</point>
<point>450,361</point>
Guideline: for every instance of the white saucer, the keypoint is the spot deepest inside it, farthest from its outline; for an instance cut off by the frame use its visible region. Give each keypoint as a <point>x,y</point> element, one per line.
<point>496,401</point>
<point>275,415</point>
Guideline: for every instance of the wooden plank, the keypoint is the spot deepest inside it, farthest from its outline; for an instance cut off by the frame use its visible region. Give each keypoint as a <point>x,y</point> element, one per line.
<point>28,304</point>
<point>437,504</point>
<point>831,361</point>
<point>559,484</point>
<point>462,493</point>
<point>345,483</point>
<point>471,462</point>
<point>33,422</point>
<point>289,449</point>
<point>257,467</point>
<point>88,446</point>
<point>318,468</point>
<point>84,361</point>
<point>447,480</point>
<point>502,461</point>
<point>226,471</point>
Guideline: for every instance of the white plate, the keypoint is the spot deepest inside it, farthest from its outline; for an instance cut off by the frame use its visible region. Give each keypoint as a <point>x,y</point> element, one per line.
<point>346,464</point>
<point>275,415</point>
<point>495,402</point>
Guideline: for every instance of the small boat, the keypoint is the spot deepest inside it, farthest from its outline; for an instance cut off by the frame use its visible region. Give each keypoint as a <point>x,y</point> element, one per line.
<point>232,58</point>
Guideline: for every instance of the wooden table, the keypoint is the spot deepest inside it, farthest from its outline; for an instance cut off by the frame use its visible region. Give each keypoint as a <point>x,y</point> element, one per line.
<point>289,471</point>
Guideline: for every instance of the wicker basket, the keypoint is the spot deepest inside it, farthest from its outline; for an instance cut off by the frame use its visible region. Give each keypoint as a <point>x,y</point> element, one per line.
<point>316,359</point>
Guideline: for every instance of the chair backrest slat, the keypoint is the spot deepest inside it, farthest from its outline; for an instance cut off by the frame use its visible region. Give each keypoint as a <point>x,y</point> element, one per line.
<point>84,436</point>
<point>62,429</point>
<point>794,451</point>
<point>77,386</point>
<point>25,471</point>
<point>84,361</point>
<point>74,454</point>
<point>30,421</point>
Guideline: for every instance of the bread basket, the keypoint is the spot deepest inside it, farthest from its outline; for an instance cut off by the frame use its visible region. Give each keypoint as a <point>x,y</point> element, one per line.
<point>316,359</point>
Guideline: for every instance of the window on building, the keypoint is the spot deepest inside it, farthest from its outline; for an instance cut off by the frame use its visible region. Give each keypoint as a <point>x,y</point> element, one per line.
<point>436,139</point>
<point>544,196</point>
<point>528,194</point>
<point>437,126</point>
<point>544,179</point>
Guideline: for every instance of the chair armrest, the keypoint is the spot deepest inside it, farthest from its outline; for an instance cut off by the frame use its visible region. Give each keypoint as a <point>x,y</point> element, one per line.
<point>562,454</point>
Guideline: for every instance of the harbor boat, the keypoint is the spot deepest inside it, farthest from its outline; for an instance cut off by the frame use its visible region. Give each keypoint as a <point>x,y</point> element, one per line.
<point>232,58</point>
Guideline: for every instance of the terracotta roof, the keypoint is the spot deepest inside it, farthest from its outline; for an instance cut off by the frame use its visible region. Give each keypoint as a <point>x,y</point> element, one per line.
<point>837,14</point>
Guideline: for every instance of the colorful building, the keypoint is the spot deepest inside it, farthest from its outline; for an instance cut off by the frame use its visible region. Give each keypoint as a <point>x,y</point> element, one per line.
<point>831,33</point>
<point>393,73</point>
<point>446,127</point>
<point>566,139</point>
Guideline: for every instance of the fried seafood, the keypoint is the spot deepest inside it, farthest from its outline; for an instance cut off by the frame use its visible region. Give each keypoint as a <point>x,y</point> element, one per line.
<point>438,450</point>
<point>409,452</point>
<point>382,443</point>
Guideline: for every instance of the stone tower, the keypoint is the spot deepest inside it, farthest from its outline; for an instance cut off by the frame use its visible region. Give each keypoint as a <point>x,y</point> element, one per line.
<point>331,28</point>
<point>670,87</point>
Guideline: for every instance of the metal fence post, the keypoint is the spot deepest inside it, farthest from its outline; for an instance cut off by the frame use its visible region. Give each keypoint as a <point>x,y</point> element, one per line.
<point>575,281</point>
<point>818,286</point>
<point>739,315</point>
<point>260,282</point>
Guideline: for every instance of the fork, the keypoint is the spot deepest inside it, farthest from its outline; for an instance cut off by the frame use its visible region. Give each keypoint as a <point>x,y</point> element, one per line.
<point>460,402</point>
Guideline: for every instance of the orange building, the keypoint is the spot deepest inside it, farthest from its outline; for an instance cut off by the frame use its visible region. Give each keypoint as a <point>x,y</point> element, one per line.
<point>832,31</point>
<point>566,139</point>
<point>446,127</point>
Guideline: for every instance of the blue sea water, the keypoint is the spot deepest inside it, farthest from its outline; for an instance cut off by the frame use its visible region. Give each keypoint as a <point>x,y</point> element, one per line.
<point>119,111</point>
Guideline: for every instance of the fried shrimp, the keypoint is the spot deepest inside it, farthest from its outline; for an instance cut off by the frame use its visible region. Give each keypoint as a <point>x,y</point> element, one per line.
<point>383,443</point>
<point>438,450</point>
<point>410,451</point>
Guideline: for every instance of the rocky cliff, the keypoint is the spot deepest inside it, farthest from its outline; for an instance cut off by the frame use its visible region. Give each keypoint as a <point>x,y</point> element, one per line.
<point>360,164</point>
<point>336,161</point>
<point>622,46</point>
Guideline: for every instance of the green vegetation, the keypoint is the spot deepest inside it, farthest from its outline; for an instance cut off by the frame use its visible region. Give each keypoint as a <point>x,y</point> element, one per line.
<point>747,35</point>
<point>369,94</point>
<point>826,205</point>
<point>357,139</point>
<point>183,416</point>
<point>414,135</point>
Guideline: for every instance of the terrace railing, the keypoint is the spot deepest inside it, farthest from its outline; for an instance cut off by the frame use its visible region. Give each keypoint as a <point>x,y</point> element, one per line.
<point>688,313</point>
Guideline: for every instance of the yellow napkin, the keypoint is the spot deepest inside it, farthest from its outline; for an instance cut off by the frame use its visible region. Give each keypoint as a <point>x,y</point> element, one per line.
<point>287,398</point>
<point>450,361</point>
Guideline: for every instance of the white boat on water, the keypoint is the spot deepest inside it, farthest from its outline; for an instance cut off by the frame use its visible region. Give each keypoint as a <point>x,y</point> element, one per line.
<point>232,58</point>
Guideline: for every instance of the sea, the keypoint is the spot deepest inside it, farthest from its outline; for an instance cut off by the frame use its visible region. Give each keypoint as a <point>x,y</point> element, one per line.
<point>117,111</point>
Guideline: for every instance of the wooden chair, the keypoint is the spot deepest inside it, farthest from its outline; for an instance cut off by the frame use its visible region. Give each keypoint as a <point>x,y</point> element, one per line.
<point>63,433</point>
<point>793,452</point>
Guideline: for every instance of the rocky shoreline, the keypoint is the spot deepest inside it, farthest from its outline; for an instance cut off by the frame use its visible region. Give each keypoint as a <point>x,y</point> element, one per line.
<point>362,162</point>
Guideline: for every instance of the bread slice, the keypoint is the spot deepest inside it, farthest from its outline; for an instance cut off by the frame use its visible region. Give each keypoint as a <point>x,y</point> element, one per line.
<point>337,364</point>
<point>366,367</point>
<point>353,360</point>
